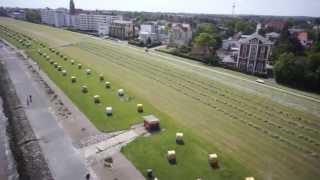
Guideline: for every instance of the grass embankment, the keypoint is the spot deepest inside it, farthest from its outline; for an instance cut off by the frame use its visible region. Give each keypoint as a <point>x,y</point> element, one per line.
<point>145,152</point>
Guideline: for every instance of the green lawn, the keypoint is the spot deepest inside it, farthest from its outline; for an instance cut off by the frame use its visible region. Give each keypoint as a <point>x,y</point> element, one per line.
<point>252,134</point>
<point>125,114</point>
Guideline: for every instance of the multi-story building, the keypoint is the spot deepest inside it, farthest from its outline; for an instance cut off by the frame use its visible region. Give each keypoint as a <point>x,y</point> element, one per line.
<point>21,15</point>
<point>276,25</point>
<point>273,36</point>
<point>122,29</point>
<point>254,54</point>
<point>55,17</point>
<point>163,34</point>
<point>92,22</point>
<point>180,34</point>
<point>103,29</point>
<point>149,32</point>
<point>86,22</point>
<point>74,21</point>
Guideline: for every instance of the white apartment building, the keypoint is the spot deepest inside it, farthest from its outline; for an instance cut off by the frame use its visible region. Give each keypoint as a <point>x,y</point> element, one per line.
<point>55,17</point>
<point>85,22</point>
<point>74,21</point>
<point>103,29</point>
<point>149,32</point>
<point>163,34</point>
<point>96,22</point>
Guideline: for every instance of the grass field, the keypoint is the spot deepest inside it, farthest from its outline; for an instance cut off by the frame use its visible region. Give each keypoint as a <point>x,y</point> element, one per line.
<point>252,134</point>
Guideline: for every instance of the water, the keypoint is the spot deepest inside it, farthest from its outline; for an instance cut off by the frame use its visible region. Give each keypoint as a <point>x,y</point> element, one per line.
<point>8,169</point>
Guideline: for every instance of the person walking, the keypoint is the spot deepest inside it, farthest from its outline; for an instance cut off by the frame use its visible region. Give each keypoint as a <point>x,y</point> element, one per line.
<point>88,176</point>
<point>30,98</point>
<point>27,101</point>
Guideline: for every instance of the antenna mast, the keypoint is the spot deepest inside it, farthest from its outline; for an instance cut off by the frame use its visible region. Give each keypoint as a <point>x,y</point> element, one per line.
<point>233,8</point>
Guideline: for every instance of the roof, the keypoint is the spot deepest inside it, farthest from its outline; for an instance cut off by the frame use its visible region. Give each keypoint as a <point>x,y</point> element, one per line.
<point>255,36</point>
<point>122,22</point>
<point>150,23</point>
<point>228,59</point>
<point>273,34</point>
<point>151,119</point>
<point>184,27</point>
<point>295,30</point>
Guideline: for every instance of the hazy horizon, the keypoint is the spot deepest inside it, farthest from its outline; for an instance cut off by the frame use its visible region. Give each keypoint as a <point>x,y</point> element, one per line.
<point>243,7</point>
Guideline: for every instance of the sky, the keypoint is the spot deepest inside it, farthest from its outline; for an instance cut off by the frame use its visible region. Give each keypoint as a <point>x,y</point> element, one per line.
<point>258,7</point>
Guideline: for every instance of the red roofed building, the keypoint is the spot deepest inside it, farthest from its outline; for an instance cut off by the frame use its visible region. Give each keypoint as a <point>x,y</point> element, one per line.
<point>276,25</point>
<point>301,35</point>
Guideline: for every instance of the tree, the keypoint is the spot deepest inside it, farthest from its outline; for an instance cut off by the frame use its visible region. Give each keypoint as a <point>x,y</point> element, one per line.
<point>262,32</point>
<point>72,7</point>
<point>287,44</point>
<point>316,47</point>
<point>206,35</point>
<point>212,60</point>
<point>148,41</point>
<point>205,40</point>
<point>299,71</point>
<point>33,16</point>
<point>245,27</point>
<point>3,12</point>
<point>295,46</point>
<point>140,19</point>
<point>284,34</point>
<point>314,62</point>
<point>204,28</point>
<point>290,69</point>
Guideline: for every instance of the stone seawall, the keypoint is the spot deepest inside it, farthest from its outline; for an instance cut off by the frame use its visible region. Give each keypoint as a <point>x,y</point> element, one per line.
<point>26,150</point>
<point>8,167</point>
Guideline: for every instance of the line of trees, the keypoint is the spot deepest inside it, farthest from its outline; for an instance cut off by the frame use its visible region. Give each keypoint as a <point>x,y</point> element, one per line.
<point>296,66</point>
<point>33,16</point>
<point>207,38</point>
<point>301,72</point>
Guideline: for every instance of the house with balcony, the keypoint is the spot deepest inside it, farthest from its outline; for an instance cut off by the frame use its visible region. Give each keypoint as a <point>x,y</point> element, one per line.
<point>180,34</point>
<point>149,33</point>
<point>121,29</point>
<point>254,54</point>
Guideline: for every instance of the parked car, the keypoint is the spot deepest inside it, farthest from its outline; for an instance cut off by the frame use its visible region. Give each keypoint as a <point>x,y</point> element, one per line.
<point>260,81</point>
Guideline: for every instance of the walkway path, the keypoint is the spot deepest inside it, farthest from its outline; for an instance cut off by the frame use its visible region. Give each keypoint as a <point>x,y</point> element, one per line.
<point>121,167</point>
<point>63,159</point>
<point>83,134</point>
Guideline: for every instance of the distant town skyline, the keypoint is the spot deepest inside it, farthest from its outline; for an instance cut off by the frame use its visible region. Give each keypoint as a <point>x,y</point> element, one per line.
<point>254,7</point>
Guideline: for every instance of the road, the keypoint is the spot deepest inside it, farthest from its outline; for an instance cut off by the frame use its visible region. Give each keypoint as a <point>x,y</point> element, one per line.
<point>64,160</point>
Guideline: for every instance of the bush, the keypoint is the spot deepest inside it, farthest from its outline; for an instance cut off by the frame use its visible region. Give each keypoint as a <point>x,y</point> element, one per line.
<point>212,60</point>
<point>136,43</point>
<point>299,71</point>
